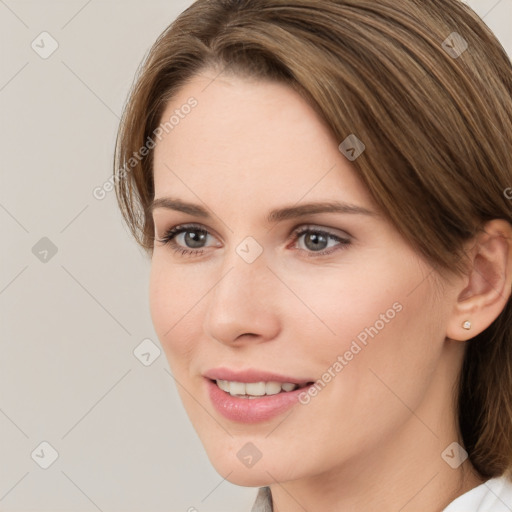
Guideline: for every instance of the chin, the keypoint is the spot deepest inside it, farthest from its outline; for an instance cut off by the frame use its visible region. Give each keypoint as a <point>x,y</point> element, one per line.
<point>246,478</point>
<point>262,473</point>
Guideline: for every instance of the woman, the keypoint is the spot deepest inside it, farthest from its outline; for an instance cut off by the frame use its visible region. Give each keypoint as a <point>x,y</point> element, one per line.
<point>322,188</point>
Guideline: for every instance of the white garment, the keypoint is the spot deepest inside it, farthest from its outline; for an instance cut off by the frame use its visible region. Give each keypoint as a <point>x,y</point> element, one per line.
<point>494,495</point>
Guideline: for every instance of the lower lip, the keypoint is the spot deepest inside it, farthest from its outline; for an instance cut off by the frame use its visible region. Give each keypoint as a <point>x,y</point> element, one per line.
<point>252,410</point>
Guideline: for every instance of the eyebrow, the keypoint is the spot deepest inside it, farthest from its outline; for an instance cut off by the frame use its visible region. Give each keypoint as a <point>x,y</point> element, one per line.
<point>277,215</point>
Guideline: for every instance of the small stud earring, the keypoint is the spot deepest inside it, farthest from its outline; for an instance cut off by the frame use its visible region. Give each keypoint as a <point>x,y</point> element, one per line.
<point>467,325</point>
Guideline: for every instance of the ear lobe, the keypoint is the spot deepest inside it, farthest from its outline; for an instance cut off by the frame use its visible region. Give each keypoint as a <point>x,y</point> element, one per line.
<point>487,287</point>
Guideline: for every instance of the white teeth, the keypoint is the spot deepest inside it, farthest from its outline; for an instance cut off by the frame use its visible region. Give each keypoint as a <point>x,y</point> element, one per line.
<point>237,388</point>
<point>255,389</point>
<point>272,388</point>
<point>224,385</point>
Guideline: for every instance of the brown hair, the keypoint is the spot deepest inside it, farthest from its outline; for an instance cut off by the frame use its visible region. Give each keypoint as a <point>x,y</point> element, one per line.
<point>435,117</point>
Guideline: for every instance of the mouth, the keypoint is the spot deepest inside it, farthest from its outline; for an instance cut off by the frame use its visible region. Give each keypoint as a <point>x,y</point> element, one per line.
<point>252,390</point>
<point>253,396</point>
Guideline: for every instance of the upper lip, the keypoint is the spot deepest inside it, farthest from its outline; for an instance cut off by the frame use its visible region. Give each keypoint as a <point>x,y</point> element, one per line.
<point>251,375</point>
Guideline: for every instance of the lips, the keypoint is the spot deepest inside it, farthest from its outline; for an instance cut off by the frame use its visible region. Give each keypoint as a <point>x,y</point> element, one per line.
<point>230,392</point>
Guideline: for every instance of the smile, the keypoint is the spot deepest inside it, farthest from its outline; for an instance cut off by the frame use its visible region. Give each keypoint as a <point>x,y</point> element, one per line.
<point>256,389</point>
<point>253,402</point>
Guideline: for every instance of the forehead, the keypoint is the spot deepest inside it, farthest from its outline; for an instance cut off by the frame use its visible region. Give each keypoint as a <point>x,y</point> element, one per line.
<point>249,137</point>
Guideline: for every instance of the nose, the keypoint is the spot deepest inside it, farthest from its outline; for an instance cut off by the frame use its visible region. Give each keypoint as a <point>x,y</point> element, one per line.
<point>242,307</point>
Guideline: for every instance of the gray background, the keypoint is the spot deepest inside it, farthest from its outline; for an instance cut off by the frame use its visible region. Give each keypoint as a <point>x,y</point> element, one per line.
<point>70,321</point>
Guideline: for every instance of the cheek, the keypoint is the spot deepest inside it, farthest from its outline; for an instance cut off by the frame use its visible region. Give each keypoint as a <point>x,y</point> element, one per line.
<point>172,297</point>
<point>356,300</point>
<point>372,321</point>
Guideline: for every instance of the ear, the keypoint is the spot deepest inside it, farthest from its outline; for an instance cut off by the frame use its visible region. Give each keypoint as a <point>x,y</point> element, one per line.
<point>487,287</point>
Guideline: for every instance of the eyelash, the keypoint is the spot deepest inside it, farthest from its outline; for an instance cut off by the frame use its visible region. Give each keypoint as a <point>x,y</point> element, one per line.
<point>172,233</point>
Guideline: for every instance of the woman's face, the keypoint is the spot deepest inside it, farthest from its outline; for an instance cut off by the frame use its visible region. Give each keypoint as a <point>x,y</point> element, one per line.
<point>264,285</point>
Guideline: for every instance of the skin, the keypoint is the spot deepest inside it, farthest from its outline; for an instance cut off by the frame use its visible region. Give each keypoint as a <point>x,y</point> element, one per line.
<point>384,420</point>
